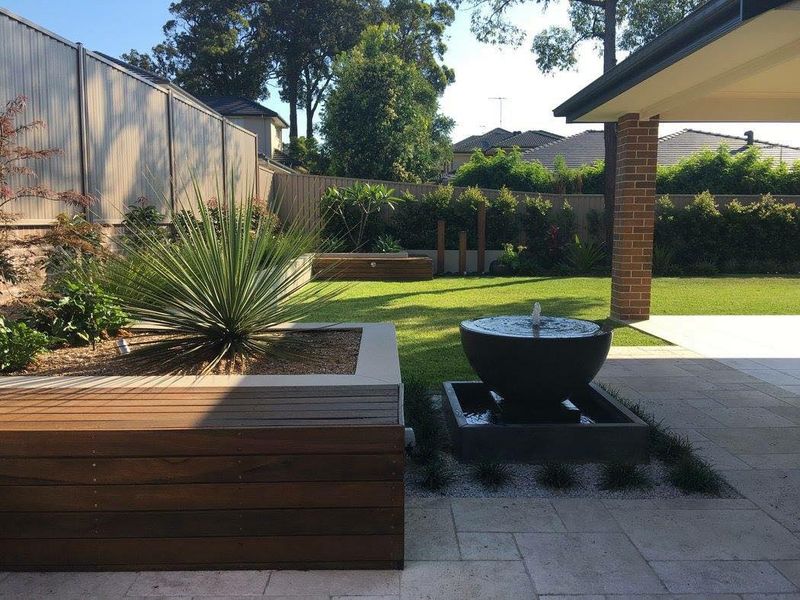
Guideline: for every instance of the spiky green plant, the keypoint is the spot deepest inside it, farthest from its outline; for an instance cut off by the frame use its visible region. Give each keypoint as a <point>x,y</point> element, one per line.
<point>219,289</point>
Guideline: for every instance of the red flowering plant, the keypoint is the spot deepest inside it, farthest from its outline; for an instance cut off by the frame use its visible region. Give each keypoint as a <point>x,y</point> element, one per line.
<point>17,177</point>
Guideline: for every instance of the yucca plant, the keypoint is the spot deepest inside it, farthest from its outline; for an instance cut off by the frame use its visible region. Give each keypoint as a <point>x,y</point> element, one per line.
<point>218,289</point>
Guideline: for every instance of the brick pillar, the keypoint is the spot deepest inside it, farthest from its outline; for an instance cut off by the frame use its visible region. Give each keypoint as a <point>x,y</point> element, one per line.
<point>634,217</point>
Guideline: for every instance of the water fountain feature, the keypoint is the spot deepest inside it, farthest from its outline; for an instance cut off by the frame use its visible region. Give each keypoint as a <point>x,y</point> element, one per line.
<point>536,398</point>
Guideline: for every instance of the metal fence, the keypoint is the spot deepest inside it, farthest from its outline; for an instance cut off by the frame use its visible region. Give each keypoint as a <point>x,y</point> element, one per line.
<point>121,136</point>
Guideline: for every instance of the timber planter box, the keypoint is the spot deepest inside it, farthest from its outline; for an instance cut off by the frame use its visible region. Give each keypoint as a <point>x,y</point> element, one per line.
<point>396,266</point>
<point>256,471</point>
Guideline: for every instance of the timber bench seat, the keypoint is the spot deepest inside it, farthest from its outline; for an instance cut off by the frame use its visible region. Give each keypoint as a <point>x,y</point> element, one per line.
<point>373,267</point>
<point>124,473</point>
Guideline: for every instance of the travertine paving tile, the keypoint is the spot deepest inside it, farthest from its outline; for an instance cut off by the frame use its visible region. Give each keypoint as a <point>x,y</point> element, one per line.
<point>586,563</point>
<point>199,583</point>
<point>721,576</point>
<point>509,515</point>
<point>584,515</point>
<point>334,583</point>
<point>756,440</point>
<point>488,546</point>
<point>430,534</point>
<point>65,585</point>
<point>777,492</point>
<point>484,580</point>
<point>790,568</point>
<point>707,534</point>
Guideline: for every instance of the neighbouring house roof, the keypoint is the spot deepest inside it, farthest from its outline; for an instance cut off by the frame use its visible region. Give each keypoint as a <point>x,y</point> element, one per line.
<point>239,106</point>
<point>483,141</point>
<point>502,138</point>
<point>588,146</point>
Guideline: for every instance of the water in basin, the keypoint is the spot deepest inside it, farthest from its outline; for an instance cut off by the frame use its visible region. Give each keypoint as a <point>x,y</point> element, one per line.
<point>523,326</point>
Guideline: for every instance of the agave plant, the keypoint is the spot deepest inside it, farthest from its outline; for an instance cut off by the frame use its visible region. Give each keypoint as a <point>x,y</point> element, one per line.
<point>584,257</point>
<point>218,289</point>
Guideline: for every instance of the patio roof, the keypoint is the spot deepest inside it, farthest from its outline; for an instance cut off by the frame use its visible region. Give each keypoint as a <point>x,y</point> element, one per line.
<point>730,60</point>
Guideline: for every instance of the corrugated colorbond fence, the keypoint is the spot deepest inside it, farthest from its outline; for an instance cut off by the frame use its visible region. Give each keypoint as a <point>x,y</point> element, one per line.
<point>121,136</point>
<point>298,197</point>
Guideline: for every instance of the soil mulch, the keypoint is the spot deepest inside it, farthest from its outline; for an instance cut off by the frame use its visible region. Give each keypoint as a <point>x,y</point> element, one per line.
<point>320,352</point>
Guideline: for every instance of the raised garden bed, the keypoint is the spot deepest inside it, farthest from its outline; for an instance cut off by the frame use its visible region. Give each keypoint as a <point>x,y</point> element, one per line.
<point>396,266</point>
<point>185,472</point>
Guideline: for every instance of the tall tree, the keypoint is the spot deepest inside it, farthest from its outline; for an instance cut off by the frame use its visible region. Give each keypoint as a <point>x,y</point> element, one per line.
<point>612,24</point>
<point>211,48</point>
<point>381,118</point>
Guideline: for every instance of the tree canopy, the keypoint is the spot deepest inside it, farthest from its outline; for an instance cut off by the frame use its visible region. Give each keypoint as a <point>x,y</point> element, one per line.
<point>381,118</point>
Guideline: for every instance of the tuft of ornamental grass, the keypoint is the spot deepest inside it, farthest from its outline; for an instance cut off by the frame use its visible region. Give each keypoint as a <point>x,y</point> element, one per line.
<point>435,475</point>
<point>492,474</point>
<point>421,415</point>
<point>219,289</point>
<point>557,475</point>
<point>622,475</point>
<point>693,475</point>
<point>669,447</point>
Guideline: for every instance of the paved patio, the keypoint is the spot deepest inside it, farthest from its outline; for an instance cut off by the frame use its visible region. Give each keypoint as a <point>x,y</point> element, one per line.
<point>580,548</point>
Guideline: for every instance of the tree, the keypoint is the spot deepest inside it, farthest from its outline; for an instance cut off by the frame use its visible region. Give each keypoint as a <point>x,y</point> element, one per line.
<point>612,24</point>
<point>212,48</point>
<point>381,119</point>
<point>421,27</point>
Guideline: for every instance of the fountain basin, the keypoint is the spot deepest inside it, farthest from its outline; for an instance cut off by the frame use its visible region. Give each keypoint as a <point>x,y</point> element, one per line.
<point>604,431</point>
<point>534,369</point>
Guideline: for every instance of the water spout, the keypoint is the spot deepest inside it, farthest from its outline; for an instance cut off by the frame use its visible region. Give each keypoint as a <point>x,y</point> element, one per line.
<point>536,315</point>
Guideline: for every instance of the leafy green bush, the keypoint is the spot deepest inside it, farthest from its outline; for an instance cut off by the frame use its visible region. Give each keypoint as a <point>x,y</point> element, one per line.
<point>504,169</point>
<point>704,239</point>
<point>387,243</point>
<point>584,258</point>
<point>81,312</point>
<point>502,225</point>
<point>353,214</point>
<point>463,216</point>
<point>414,221</point>
<point>71,238</point>
<point>142,219</point>
<point>19,345</point>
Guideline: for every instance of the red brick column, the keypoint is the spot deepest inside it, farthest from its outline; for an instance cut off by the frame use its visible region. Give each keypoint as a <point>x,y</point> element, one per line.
<point>634,217</point>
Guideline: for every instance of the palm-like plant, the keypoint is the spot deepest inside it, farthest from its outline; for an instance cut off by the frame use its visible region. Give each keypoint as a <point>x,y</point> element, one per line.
<point>218,290</point>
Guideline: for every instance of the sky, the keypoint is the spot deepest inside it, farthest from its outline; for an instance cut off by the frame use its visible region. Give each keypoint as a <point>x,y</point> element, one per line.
<point>482,71</point>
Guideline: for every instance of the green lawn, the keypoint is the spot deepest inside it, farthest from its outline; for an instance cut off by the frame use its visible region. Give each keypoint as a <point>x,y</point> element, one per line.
<point>427,313</point>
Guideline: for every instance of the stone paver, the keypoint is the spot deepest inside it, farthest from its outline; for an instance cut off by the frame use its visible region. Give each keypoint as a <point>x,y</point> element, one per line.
<point>492,580</point>
<point>707,535</point>
<point>488,546</point>
<point>65,585</point>
<point>585,563</point>
<point>790,568</point>
<point>430,534</point>
<point>721,576</point>
<point>777,492</point>
<point>505,515</point>
<point>334,583</point>
<point>585,515</point>
<point>195,583</point>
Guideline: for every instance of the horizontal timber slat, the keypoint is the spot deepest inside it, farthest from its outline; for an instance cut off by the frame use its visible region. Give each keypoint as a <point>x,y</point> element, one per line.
<point>200,523</point>
<point>179,551</point>
<point>203,469</point>
<point>201,496</point>
<point>375,269</point>
<point>214,442</point>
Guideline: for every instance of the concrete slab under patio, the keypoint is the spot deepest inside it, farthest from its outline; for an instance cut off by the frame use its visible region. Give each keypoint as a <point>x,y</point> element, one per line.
<point>766,347</point>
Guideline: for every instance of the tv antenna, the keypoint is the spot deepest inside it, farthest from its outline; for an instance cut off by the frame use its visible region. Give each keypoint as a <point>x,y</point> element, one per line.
<point>500,100</point>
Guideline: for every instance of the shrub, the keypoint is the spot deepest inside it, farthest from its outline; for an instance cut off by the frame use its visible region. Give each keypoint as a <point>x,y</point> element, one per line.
<point>504,169</point>
<point>79,313</point>
<point>491,474</point>
<point>19,345</point>
<point>560,476</point>
<point>694,475</point>
<point>387,243</point>
<point>71,238</point>
<point>414,221</point>
<point>501,219</point>
<point>622,475</point>
<point>423,418</point>
<point>142,219</point>
<point>219,293</point>
<point>352,215</point>
<point>463,216</point>
<point>536,223</point>
<point>584,257</point>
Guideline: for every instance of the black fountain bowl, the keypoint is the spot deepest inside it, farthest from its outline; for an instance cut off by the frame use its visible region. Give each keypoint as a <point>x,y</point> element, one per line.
<point>539,372</point>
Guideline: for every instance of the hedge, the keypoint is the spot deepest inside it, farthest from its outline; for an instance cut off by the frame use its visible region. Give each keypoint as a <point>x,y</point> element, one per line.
<point>746,172</point>
<point>703,238</point>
